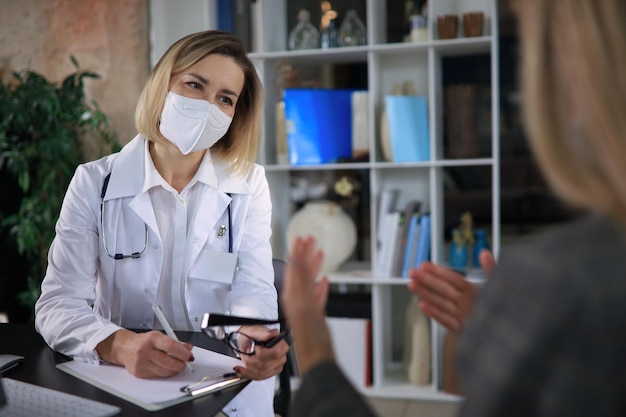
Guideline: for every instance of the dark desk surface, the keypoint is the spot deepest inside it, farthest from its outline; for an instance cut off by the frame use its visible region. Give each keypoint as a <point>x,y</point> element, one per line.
<point>39,368</point>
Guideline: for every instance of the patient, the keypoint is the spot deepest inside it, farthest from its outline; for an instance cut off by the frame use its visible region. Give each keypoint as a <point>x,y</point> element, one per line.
<point>545,336</point>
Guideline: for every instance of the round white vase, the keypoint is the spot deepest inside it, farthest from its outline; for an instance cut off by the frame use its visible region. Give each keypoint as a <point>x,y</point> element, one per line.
<point>333,230</point>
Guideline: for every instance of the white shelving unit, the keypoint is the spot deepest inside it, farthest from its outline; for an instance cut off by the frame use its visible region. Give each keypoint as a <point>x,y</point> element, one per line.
<point>387,63</point>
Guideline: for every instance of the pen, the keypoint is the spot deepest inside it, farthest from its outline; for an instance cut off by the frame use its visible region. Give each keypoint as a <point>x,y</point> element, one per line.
<point>166,326</point>
<point>272,342</point>
<point>208,385</point>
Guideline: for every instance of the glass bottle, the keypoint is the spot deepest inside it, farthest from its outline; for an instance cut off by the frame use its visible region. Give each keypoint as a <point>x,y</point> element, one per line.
<point>329,36</point>
<point>419,28</point>
<point>352,30</point>
<point>304,35</point>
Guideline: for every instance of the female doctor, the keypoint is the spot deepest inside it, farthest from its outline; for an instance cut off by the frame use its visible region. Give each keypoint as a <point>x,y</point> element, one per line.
<point>180,217</point>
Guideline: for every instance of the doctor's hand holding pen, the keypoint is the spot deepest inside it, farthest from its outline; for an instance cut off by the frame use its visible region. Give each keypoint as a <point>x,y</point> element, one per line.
<point>147,355</point>
<point>157,355</point>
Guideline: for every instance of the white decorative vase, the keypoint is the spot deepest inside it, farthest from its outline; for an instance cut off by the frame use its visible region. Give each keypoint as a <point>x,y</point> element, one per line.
<point>333,230</point>
<point>417,356</point>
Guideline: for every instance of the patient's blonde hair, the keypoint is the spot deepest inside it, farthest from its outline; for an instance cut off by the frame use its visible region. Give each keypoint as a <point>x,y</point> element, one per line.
<point>574,80</point>
<point>241,143</point>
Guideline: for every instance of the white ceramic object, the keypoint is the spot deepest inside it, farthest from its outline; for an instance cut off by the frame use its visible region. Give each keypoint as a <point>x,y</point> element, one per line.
<point>333,230</point>
<point>417,355</point>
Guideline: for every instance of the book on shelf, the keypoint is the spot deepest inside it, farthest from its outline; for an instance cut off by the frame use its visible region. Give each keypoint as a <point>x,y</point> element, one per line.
<point>242,22</point>
<point>255,24</point>
<point>225,16</point>
<point>235,16</point>
<point>423,242</point>
<point>388,200</point>
<point>411,245</point>
<point>410,208</point>
<point>407,117</point>
<point>390,228</point>
<point>360,128</point>
<point>403,235</point>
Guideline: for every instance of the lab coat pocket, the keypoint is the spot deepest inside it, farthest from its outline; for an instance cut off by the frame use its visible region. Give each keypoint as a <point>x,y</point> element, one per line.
<point>216,266</point>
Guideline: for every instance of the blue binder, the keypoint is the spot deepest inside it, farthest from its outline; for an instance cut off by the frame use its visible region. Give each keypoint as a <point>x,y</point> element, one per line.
<point>423,241</point>
<point>319,125</point>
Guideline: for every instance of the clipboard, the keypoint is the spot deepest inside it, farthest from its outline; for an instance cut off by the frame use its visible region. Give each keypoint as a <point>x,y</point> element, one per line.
<point>212,373</point>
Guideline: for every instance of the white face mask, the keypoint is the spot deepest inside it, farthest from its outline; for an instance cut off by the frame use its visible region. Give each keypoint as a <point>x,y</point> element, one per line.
<point>192,124</point>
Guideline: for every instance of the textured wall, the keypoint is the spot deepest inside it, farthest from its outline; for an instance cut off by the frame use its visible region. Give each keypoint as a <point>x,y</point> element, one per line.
<point>110,37</point>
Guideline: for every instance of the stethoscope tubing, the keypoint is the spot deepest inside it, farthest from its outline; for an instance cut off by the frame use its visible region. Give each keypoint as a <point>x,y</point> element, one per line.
<point>137,255</point>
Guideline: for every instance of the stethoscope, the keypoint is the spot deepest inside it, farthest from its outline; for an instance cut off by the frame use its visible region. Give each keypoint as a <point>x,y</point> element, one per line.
<point>136,255</point>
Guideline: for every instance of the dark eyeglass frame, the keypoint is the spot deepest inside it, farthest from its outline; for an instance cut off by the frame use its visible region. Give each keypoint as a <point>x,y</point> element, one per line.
<point>231,339</point>
<point>213,326</point>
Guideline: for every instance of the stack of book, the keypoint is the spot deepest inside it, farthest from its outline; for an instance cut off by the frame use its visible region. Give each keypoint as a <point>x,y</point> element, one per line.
<point>403,236</point>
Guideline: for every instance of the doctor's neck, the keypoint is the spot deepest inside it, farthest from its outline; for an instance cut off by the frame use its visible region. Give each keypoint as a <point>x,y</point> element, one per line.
<point>175,168</point>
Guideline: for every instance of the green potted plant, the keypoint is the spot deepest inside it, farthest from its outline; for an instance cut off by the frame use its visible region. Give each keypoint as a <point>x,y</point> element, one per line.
<point>42,124</point>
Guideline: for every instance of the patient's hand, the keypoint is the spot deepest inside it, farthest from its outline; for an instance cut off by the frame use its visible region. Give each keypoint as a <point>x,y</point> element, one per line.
<point>446,295</point>
<point>304,302</point>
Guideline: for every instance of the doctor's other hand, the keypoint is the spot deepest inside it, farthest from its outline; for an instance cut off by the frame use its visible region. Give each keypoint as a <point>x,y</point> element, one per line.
<point>304,301</point>
<point>146,355</point>
<point>446,295</point>
<point>265,361</point>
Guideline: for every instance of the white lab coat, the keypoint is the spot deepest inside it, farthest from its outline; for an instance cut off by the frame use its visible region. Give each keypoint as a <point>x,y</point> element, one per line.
<point>87,295</point>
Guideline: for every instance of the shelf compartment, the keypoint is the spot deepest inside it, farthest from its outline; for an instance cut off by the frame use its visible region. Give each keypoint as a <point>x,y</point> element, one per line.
<point>427,65</point>
<point>344,54</point>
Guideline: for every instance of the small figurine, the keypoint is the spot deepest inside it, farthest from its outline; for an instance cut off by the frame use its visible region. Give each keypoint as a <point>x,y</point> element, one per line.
<point>466,228</point>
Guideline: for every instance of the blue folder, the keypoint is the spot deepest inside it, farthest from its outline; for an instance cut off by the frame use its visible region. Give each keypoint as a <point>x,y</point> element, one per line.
<point>408,128</point>
<point>319,125</point>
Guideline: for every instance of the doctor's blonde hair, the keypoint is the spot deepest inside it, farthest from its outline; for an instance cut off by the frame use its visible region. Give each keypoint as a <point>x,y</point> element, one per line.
<point>574,85</point>
<point>240,145</point>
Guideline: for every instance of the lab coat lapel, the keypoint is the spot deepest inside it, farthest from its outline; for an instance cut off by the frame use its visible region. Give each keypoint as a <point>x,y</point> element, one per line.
<point>127,176</point>
<point>127,179</point>
<point>142,205</point>
<point>213,203</point>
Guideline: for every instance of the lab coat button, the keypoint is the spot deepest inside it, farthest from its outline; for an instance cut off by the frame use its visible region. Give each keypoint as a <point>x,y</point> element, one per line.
<point>155,246</point>
<point>147,290</point>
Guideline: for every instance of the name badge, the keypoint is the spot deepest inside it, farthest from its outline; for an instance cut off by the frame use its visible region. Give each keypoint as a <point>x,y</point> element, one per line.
<point>219,266</point>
